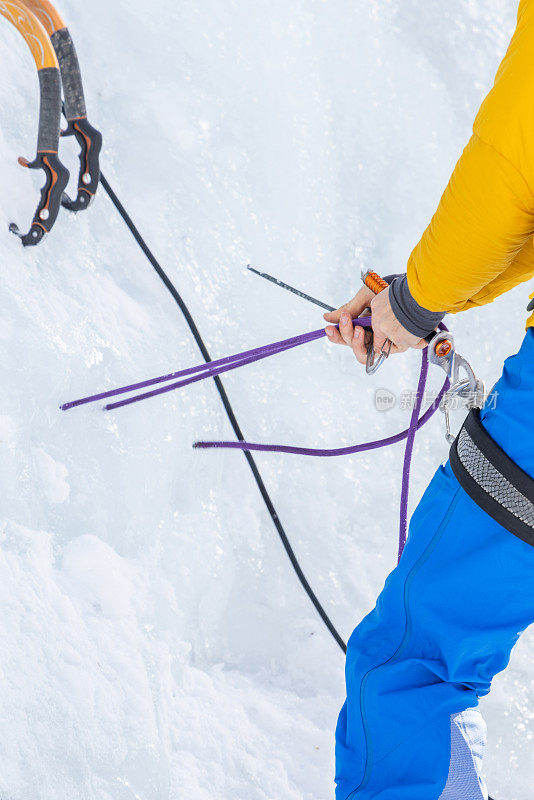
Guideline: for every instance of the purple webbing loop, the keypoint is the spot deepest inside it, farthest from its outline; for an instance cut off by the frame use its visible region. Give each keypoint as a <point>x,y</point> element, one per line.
<point>204,374</point>
<point>409,433</point>
<point>205,370</point>
<point>213,368</point>
<point>317,452</point>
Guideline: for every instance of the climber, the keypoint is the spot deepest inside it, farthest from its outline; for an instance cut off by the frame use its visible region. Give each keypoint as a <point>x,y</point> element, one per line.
<point>452,610</point>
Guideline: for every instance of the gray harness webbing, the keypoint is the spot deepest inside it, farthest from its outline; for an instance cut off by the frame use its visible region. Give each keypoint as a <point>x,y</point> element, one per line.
<point>492,479</point>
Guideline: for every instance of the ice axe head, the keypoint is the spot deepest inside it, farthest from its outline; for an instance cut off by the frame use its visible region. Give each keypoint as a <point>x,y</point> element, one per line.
<point>57,177</point>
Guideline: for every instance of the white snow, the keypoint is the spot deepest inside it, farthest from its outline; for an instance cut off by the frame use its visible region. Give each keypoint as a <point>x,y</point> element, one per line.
<point>50,477</point>
<point>154,642</point>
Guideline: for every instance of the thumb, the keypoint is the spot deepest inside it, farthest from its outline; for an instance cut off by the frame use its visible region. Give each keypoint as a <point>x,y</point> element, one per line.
<point>355,306</point>
<point>334,316</point>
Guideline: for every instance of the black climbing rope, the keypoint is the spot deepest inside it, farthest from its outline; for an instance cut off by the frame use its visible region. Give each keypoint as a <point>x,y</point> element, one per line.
<point>228,409</point>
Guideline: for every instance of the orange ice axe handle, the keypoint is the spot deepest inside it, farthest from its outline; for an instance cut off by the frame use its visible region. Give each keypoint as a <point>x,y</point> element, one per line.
<point>88,138</point>
<point>37,39</point>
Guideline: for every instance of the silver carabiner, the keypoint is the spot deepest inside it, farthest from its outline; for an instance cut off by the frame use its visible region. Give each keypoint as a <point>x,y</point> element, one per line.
<point>372,365</point>
<point>376,284</point>
<point>441,351</point>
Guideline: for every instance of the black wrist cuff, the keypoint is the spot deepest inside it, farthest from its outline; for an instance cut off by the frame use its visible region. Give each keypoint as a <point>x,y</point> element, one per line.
<point>410,314</point>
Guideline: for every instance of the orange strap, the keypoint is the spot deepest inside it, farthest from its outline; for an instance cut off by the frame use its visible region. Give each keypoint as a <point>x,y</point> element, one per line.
<point>33,32</point>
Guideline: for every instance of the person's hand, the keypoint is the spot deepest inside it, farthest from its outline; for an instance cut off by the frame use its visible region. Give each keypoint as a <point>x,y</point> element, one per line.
<point>385,326</point>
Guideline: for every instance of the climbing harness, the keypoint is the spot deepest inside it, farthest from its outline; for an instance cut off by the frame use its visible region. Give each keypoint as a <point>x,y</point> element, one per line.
<point>489,476</point>
<point>55,57</point>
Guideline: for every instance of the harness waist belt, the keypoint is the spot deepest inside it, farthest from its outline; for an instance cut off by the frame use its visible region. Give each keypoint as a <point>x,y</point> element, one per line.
<point>490,477</point>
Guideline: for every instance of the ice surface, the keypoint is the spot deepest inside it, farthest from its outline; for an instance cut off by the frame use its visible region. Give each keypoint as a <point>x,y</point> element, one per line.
<point>154,641</point>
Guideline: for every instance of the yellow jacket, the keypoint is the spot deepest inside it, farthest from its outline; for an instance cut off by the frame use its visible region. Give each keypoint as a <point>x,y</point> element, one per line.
<point>480,242</point>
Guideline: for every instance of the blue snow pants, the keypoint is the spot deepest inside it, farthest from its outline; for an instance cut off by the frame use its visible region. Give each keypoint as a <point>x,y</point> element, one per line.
<point>443,626</point>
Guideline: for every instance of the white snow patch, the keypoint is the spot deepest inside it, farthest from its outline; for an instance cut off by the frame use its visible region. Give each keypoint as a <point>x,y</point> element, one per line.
<point>51,474</point>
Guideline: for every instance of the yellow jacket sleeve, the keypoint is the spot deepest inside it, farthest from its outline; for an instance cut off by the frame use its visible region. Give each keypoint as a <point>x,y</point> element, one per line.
<point>480,240</point>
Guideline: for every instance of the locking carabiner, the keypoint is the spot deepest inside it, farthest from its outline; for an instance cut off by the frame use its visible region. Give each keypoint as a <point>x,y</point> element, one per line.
<point>470,389</point>
<point>376,284</point>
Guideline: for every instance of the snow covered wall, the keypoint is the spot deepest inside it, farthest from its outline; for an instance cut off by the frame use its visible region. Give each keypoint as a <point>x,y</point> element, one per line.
<point>154,642</point>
